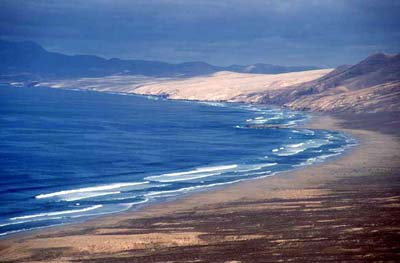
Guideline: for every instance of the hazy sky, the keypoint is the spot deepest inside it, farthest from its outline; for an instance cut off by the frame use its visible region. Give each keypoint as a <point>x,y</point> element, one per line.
<point>221,32</point>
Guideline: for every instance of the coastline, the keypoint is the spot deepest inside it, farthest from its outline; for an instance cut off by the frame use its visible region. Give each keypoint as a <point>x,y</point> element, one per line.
<point>330,207</point>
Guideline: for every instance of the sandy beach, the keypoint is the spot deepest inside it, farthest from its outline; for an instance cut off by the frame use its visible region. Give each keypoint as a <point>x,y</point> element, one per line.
<point>346,209</point>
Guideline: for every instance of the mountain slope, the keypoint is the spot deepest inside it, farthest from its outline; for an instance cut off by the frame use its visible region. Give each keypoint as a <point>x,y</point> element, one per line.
<point>373,85</point>
<point>28,59</point>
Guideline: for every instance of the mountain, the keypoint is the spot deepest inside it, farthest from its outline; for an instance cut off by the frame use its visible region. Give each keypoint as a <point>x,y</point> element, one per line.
<point>366,94</point>
<point>372,85</point>
<point>28,60</point>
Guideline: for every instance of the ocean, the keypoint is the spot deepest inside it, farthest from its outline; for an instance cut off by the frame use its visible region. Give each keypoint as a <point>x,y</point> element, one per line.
<point>67,156</point>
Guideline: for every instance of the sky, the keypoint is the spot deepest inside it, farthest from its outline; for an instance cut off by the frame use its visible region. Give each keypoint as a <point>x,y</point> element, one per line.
<point>323,33</point>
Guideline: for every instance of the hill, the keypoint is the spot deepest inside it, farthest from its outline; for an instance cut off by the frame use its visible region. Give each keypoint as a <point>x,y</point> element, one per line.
<point>372,85</point>
<point>28,60</point>
<point>228,86</point>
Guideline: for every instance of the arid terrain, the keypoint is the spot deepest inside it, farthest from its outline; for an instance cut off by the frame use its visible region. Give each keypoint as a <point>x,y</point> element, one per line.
<point>371,86</point>
<point>228,86</point>
<point>221,86</point>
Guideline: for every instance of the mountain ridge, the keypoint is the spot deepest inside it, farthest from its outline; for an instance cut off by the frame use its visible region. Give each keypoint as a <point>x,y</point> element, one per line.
<point>29,58</point>
<point>372,85</point>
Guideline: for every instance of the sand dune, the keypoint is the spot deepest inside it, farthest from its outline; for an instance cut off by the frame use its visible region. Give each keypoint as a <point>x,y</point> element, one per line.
<point>228,86</point>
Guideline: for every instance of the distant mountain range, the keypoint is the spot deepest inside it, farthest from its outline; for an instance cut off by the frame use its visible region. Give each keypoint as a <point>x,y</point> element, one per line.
<point>28,60</point>
<point>370,86</point>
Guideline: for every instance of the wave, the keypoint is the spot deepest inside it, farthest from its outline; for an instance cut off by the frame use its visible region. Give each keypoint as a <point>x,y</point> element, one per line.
<point>281,119</point>
<point>74,194</point>
<point>149,97</point>
<point>262,119</point>
<point>126,206</point>
<point>318,159</point>
<point>81,196</point>
<point>193,174</point>
<point>293,149</point>
<point>292,123</point>
<point>265,173</point>
<point>157,194</point>
<point>214,104</point>
<point>250,168</point>
<point>305,132</point>
<point>26,229</point>
<point>49,214</point>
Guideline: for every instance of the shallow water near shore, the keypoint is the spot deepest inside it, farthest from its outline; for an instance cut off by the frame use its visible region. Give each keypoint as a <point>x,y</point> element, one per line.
<point>71,155</point>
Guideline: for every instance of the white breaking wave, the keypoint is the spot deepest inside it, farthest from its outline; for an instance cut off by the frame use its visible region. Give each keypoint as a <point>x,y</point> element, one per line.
<point>293,149</point>
<point>297,145</point>
<point>15,223</point>
<point>214,104</point>
<point>166,178</point>
<point>249,168</point>
<point>25,229</point>
<point>57,213</point>
<point>80,196</point>
<point>262,120</point>
<point>94,189</point>
<point>304,131</point>
<point>186,189</point>
<point>317,159</point>
<point>292,123</point>
<point>266,173</point>
<point>152,97</point>
<point>157,194</point>
<point>193,174</point>
<point>125,206</point>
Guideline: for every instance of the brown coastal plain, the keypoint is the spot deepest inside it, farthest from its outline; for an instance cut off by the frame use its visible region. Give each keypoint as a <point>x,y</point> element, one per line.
<point>343,210</point>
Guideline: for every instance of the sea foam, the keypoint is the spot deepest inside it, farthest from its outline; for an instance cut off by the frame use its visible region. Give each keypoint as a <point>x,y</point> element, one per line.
<point>193,174</point>
<point>50,214</point>
<point>292,149</point>
<point>75,194</point>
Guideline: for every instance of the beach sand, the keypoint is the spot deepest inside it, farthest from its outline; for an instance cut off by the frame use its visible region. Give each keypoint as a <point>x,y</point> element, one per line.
<point>346,209</point>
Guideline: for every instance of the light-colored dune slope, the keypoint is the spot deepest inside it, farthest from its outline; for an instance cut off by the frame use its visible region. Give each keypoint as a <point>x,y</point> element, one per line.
<point>228,86</point>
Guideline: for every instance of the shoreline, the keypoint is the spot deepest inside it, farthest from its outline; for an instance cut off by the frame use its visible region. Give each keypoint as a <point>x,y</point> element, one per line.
<point>133,235</point>
<point>308,122</point>
<point>297,124</point>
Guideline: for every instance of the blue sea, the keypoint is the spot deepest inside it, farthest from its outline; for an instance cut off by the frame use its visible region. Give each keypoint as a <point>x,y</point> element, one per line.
<point>67,156</point>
